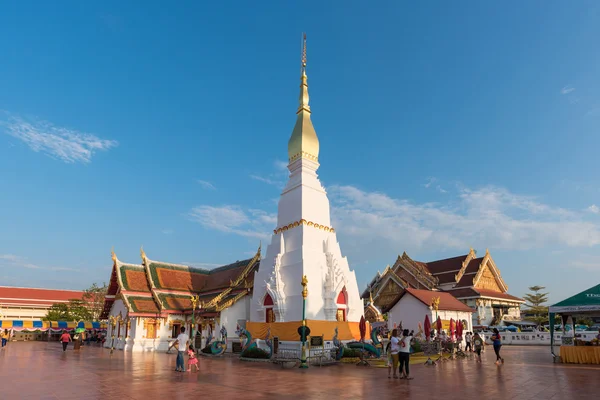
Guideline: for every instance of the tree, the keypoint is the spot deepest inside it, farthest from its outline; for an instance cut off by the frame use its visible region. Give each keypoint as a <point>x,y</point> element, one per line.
<point>93,297</point>
<point>88,308</point>
<point>535,303</point>
<point>58,312</point>
<point>79,311</point>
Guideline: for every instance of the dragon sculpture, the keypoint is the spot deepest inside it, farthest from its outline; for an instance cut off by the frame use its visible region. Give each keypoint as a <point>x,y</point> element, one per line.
<point>218,347</point>
<point>249,343</point>
<point>269,342</point>
<point>339,352</point>
<point>371,348</point>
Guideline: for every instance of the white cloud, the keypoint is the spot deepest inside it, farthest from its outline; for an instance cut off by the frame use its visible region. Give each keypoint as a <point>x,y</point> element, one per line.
<point>233,219</point>
<point>202,265</point>
<point>487,217</point>
<point>167,231</point>
<point>567,89</point>
<point>267,180</point>
<point>430,181</point>
<point>68,145</point>
<point>13,261</point>
<point>281,165</point>
<point>594,209</point>
<point>206,185</point>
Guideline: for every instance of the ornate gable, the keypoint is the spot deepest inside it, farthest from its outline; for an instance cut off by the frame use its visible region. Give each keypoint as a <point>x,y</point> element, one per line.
<point>389,291</point>
<point>488,277</point>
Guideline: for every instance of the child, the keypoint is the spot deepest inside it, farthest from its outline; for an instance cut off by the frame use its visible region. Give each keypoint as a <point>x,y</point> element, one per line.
<point>478,344</point>
<point>388,351</point>
<point>193,360</point>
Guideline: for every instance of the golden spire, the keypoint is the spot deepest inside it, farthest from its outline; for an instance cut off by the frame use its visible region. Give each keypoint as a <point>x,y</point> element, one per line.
<point>304,142</point>
<point>113,255</point>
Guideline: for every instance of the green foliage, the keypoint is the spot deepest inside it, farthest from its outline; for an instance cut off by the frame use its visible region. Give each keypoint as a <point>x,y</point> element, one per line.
<point>93,298</point>
<point>79,311</point>
<point>58,312</point>
<point>255,352</point>
<point>75,310</point>
<point>535,305</point>
<point>416,346</point>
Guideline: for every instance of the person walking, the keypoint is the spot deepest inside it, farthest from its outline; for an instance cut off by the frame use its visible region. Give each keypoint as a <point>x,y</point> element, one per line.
<point>5,336</point>
<point>404,355</point>
<point>65,338</point>
<point>395,347</point>
<point>182,341</point>
<point>193,360</point>
<point>388,352</point>
<point>478,344</point>
<point>468,340</point>
<point>497,341</point>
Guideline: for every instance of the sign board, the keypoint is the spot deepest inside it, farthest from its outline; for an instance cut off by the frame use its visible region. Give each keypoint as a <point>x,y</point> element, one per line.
<point>316,341</point>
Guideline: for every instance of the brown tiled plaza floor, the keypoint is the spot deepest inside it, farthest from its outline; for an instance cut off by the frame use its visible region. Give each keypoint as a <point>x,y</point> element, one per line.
<point>42,371</point>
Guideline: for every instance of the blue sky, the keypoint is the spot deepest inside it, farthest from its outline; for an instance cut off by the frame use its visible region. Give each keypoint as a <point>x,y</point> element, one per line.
<point>442,127</point>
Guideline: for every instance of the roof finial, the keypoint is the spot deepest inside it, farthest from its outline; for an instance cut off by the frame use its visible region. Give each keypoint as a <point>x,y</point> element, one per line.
<point>143,254</point>
<point>113,255</point>
<point>303,64</point>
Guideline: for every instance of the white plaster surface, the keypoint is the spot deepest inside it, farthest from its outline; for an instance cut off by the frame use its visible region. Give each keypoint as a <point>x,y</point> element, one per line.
<point>304,250</point>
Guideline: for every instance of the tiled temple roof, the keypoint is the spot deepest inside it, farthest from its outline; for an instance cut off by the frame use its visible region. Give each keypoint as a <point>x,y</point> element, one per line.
<point>155,287</point>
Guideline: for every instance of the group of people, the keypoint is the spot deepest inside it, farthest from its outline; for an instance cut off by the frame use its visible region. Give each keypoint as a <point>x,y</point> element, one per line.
<point>398,351</point>
<point>476,342</point>
<point>182,346</point>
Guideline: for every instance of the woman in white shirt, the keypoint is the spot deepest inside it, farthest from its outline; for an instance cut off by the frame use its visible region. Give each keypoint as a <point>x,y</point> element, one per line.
<point>404,355</point>
<point>394,350</point>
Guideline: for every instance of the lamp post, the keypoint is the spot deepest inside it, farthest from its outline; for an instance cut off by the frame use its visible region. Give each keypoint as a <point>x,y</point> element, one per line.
<point>113,323</point>
<point>304,331</point>
<point>195,299</point>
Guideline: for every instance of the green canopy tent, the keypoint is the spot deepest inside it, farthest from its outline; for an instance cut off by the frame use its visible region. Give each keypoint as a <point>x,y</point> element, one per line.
<point>584,303</point>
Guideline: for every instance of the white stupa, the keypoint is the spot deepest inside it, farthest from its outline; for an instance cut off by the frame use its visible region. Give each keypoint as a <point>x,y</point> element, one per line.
<point>304,242</point>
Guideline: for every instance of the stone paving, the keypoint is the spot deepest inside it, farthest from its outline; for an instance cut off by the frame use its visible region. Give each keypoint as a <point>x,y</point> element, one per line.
<point>37,370</point>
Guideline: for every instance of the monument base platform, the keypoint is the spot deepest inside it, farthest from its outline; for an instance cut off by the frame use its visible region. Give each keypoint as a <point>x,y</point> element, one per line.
<point>288,331</point>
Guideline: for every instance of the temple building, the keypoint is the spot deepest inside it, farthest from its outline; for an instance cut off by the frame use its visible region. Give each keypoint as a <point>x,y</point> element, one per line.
<point>475,281</point>
<point>17,303</point>
<point>148,303</point>
<point>304,244</point>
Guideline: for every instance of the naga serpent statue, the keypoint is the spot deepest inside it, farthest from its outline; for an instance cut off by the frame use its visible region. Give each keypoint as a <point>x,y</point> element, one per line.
<point>249,343</point>
<point>373,349</point>
<point>339,346</point>
<point>269,342</point>
<point>219,346</point>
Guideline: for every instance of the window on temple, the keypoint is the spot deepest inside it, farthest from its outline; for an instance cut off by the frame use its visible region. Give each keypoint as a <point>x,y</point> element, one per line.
<point>342,305</point>
<point>269,313</point>
<point>176,329</point>
<point>151,329</point>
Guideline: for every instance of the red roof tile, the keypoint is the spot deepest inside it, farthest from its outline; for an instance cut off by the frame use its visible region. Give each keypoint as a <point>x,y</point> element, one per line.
<point>471,292</point>
<point>42,297</point>
<point>447,301</point>
<point>446,265</point>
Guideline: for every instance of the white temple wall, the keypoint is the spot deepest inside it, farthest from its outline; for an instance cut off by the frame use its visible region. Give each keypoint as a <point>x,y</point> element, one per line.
<point>303,197</point>
<point>411,312</point>
<point>305,250</point>
<point>230,316</point>
<point>117,307</point>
